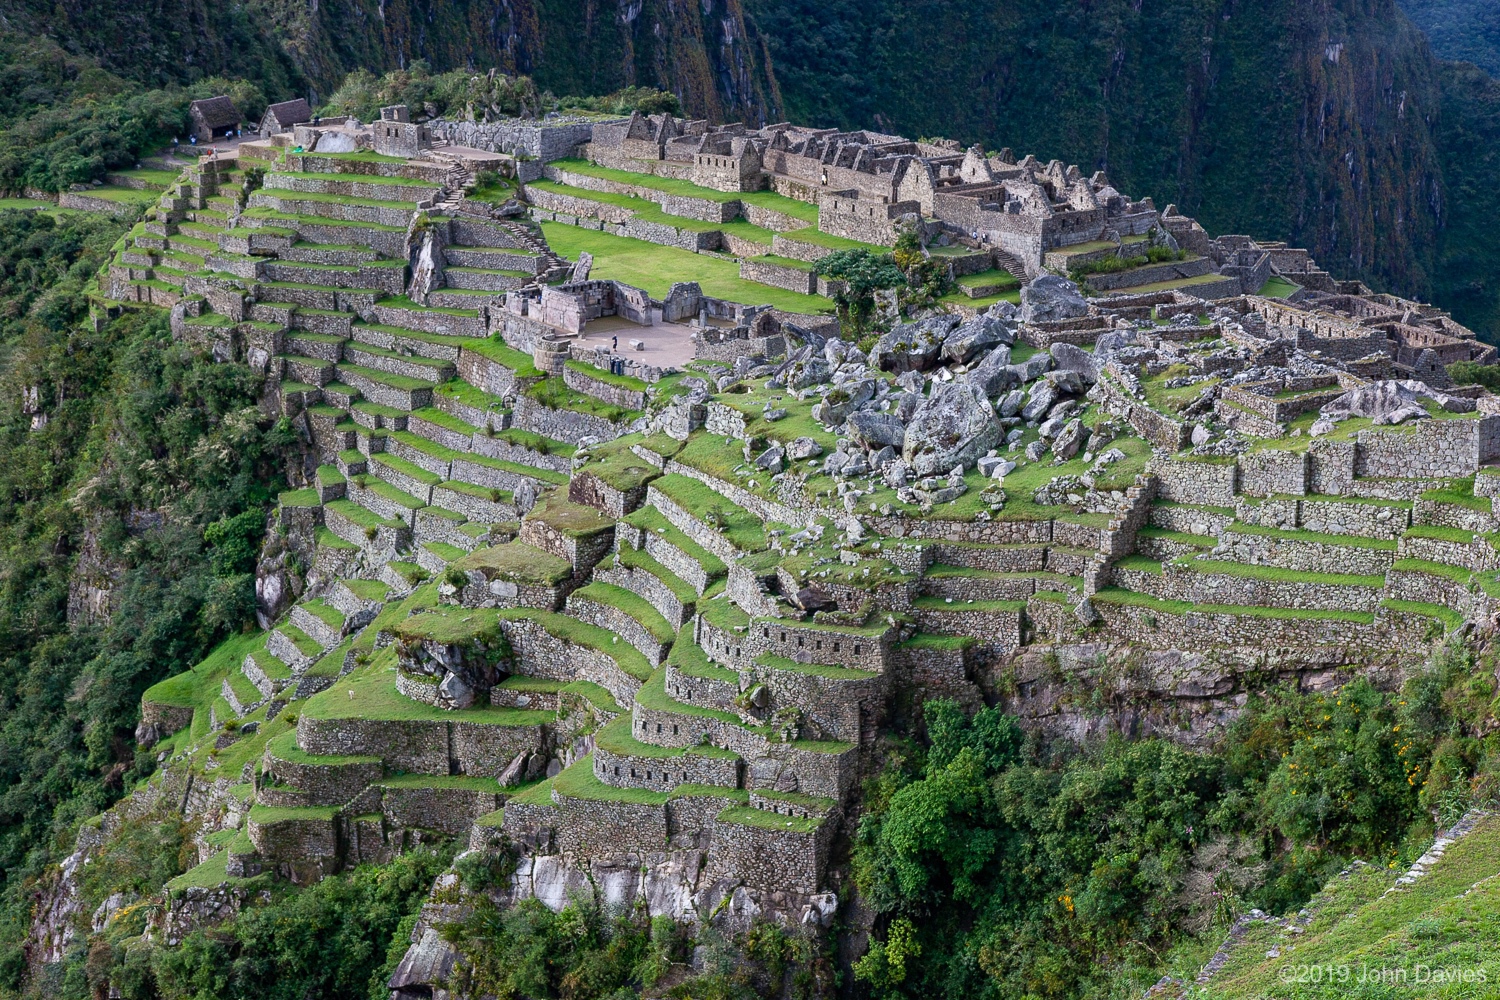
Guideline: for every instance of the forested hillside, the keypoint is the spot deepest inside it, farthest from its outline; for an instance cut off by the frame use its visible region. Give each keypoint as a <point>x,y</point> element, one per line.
<point>1461,30</point>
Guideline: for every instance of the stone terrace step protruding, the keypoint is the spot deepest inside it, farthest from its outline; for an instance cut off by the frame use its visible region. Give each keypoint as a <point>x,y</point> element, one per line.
<point>628,615</point>
<point>399,391</point>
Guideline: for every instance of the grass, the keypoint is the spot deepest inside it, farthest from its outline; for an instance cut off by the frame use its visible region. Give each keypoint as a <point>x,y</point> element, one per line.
<point>595,695</point>
<point>631,604</point>
<point>1277,574</point>
<point>1313,537</point>
<point>555,394</point>
<point>299,498</point>
<point>689,659</point>
<point>446,421</point>
<point>1448,919</point>
<point>515,468</point>
<point>266,815</point>
<point>369,692</point>
<point>362,517</point>
<point>210,874</point>
<point>1130,598</point>
<point>579,633</point>
<point>284,747</point>
<point>656,268</point>
<point>404,382</point>
<point>608,378</point>
<point>768,200</point>
<point>939,643</point>
<point>497,350</point>
<point>749,816</point>
<point>617,738</point>
<point>1451,619</point>
<point>825,671</point>
<point>400,465</point>
<point>741,528</point>
<point>518,563</point>
<point>638,559</point>
<point>1441,533</point>
<point>462,782</point>
<point>943,604</point>
<point>578,782</point>
<point>1457,574</point>
<point>652,520</point>
<point>575,520</point>
<point>653,695</point>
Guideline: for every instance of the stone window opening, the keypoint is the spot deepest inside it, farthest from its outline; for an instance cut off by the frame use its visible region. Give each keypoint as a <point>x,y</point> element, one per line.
<point>856,650</point>
<point>658,727</point>
<point>835,647</point>
<point>765,633</point>
<point>643,725</point>
<point>818,644</point>
<point>617,770</point>
<point>674,730</point>
<point>648,775</point>
<point>632,772</point>
<point>800,641</point>
<point>783,637</point>
<point>736,652</point>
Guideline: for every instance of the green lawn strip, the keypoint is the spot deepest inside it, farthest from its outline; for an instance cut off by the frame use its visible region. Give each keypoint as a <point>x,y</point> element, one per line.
<point>555,394</point>
<point>208,875</point>
<point>797,799</point>
<point>769,200</point>
<point>571,630</point>
<point>444,551</point>
<point>284,747</point>
<point>375,698</point>
<point>1451,619</point>
<point>649,211</point>
<point>368,590</point>
<point>692,791</point>
<point>519,563</point>
<point>578,782</point>
<point>1298,535</point>
<point>724,615</point>
<point>409,571</point>
<point>1455,573</point>
<point>831,243</point>
<point>743,529</point>
<point>529,471</point>
<point>479,492</point>
<point>939,643</point>
<point>1001,279</point>
<point>326,613</point>
<point>462,782</point>
<point>617,738</point>
<point>595,695</point>
<point>1460,493</point>
<point>246,692</point>
<point>1277,574</point>
<point>403,382</point>
<point>608,378</point>
<point>408,469</point>
<point>497,350</point>
<point>1440,533</point>
<point>342,199</point>
<point>394,494</point>
<point>828,672</point>
<point>1139,563</point>
<point>446,421</point>
<point>652,520</point>
<point>689,659</point>
<point>749,816</point>
<point>653,695</point>
<point>198,687</point>
<point>329,475</point>
<point>532,441</point>
<point>265,815</point>
<point>331,663</point>
<point>1130,598</point>
<point>1182,537</point>
<point>633,605</point>
<point>411,359</point>
<point>299,498</point>
<point>363,517</point>
<point>270,665</point>
<point>306,644</point>
<point>656,268</point>
<point>357,179</point>
<point>533,685</point>
<point>637,559</point>
<point>930,603</point>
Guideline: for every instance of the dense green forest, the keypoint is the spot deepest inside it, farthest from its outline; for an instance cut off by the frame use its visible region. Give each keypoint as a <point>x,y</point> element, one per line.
<point>1461,30</point>
<point>148,449</point>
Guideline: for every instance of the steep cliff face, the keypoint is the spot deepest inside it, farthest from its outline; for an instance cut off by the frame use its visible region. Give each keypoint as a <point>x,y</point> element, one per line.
<point>1307,120</point>
<point>705,51</point>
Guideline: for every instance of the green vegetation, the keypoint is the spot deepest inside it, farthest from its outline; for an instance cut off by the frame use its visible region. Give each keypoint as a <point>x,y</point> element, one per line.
<point>655,268</point>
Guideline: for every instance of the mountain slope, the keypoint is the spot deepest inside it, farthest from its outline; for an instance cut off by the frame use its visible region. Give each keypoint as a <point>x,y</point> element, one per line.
<point>1462,30</point>
<point>706,53</point>
<point>1307,120</point>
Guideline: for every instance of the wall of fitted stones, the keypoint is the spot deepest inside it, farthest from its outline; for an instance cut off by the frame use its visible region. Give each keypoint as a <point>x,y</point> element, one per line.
<point>630,399</point>
<point>323,785</point>
<point>1273,472</point>
<point>1428,448</point>
<point>1179,583</point>
<point>415,747</point>
<point>770,859</point>
<point>586,488</point>
<point>1210,483</point>
<point>662,774</point>
<point>568,426</point>
<point>588,827</point>
<point>992,628</point>
<point>935,673</point>
<point>448,810</point>
<point>832,709</point>
<point>707,691</point>
<point>541,654</point>
<point>294,840</point>
<point>1304,556</point>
